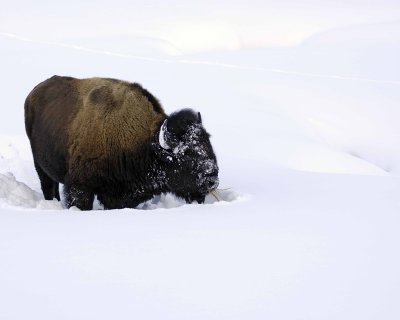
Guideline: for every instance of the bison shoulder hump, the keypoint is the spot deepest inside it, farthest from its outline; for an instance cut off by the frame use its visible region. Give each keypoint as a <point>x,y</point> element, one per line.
<point>156,105</point>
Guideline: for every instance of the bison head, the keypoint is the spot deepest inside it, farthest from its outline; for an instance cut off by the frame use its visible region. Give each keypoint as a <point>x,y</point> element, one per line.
<point>189,162</point>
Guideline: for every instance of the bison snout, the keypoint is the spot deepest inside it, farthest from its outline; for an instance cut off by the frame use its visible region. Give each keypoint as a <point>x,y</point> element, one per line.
<point>212,183</point>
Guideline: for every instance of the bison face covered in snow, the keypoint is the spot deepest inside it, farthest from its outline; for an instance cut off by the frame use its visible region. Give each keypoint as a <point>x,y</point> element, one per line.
<point>183,144</point>
<point>112,139</point>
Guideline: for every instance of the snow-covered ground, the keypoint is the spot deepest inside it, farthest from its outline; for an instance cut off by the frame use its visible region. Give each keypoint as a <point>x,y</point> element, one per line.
<point>307,139</point>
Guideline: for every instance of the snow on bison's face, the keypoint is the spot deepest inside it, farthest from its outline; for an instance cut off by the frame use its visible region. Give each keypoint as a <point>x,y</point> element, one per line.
<point>191,166</point>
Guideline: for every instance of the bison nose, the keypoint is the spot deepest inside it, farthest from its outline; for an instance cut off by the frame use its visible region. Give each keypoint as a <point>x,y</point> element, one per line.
<point>212,183</point>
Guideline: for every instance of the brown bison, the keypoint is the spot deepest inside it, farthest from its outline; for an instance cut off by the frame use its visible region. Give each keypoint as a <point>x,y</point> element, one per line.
<point>112,138</point>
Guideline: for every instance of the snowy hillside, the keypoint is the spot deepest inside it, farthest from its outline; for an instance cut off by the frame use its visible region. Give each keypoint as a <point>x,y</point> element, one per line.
<point>307,139</point>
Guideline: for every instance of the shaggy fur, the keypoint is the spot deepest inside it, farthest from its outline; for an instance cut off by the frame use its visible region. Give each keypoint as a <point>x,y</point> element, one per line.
<point>100,137</point>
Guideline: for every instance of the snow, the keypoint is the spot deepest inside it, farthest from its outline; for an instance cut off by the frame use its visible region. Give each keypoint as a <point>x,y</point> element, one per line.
<point>15,193</point>
<point>306,136</point>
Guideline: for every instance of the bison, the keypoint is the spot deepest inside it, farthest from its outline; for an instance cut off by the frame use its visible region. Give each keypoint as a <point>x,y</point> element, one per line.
<point>112,139</point>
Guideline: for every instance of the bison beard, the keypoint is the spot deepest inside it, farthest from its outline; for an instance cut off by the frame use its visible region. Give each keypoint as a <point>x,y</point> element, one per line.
<point>112,139</point>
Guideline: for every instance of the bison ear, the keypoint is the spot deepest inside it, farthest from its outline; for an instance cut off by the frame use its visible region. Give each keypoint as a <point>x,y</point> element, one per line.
<point>199,117</point>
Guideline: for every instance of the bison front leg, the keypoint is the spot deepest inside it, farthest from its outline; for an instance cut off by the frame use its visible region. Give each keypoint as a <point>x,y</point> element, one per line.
<point>79,197</point>
<point>121,200</point>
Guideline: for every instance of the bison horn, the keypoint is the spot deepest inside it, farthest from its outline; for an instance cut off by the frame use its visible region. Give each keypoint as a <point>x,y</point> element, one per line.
<point>161,137</point>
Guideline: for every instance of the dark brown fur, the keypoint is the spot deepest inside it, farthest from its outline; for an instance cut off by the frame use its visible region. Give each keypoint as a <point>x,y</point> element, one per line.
<point>71,120</point>
<point>100,137</point>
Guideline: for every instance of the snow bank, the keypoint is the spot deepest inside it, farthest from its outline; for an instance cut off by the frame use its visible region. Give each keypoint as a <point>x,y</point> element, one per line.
<point>14,193</point>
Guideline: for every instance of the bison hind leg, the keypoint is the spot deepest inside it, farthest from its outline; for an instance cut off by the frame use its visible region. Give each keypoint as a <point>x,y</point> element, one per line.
<point>49,186</point>
<point>79,197</point>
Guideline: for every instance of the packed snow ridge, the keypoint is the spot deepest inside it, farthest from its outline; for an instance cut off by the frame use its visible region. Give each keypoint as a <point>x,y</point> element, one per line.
<point>18,194</point>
